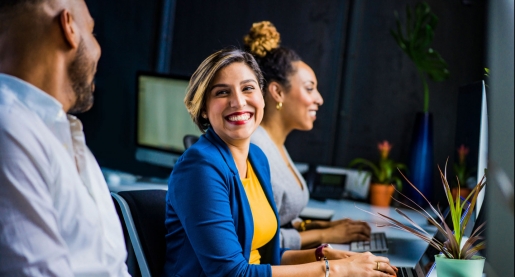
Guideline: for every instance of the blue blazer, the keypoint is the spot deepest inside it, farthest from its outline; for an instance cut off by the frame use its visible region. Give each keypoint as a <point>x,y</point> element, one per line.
<point>208,218</point>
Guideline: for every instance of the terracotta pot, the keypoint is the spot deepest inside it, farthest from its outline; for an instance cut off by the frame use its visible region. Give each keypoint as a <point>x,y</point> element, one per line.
<point>381,194</point>
<point>464,192</point>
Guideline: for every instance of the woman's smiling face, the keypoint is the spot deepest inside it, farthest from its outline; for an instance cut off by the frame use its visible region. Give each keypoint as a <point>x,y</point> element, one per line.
<point>234,103</point>
<point>302,100</point>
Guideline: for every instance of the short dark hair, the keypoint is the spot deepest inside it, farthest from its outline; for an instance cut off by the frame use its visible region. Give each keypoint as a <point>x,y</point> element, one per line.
<point>195,99</point>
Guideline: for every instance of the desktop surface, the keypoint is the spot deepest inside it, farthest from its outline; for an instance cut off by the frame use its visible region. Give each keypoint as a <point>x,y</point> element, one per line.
<point>404,249</point>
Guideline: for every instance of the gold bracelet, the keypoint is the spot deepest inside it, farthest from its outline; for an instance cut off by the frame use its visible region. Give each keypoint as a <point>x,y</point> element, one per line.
<point>303,225</point>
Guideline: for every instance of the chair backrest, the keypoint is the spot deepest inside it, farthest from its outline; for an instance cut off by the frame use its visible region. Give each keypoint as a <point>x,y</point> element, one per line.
<point>132,263</point>
<point>189,140</point>
<point>144,216</point>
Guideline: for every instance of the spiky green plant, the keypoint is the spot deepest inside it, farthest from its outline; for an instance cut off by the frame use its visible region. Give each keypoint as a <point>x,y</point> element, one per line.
<point>451,247</point>
<point>415,42</point>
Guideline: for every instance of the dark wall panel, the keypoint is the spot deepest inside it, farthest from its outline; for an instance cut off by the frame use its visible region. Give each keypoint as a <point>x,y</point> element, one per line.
<point>316,30</point>
<point>371,89</point>
<point>127,32</point>
<point>382,91</point>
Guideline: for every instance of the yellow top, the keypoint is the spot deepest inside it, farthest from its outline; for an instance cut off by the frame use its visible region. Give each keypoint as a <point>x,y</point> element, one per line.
<point>265,222</point>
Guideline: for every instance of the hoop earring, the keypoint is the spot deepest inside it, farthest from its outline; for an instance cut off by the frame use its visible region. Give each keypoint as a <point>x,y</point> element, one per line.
<point>279,106</point>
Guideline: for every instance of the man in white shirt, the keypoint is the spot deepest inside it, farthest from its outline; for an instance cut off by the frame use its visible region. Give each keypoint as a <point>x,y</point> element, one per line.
<point>56,215</point>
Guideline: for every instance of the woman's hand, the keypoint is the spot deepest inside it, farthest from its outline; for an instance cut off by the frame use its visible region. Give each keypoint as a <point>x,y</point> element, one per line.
<point>303,263</point>
<point>362,264</point>
<point>346,231</point>
<point>334,254</point>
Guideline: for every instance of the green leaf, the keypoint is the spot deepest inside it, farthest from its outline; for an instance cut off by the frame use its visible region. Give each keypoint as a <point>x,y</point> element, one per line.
<point>365,163</point>
<point>420,25</point>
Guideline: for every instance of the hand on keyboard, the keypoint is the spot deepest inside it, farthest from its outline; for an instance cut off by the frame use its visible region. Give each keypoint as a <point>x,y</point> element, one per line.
<point>364,264</point>
<point>377,243</point>
<point>346,230</point>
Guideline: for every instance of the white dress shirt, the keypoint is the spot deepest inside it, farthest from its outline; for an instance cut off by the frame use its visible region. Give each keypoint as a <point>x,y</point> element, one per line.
<point>56,214</point>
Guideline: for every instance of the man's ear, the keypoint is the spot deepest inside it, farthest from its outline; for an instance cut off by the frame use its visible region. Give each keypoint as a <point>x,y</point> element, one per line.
<point>69,28</point>
<point>276,91</point>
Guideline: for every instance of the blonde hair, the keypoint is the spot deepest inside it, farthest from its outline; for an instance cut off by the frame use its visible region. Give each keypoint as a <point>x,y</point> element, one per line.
<point>262,38</point>
<point>195,99</point>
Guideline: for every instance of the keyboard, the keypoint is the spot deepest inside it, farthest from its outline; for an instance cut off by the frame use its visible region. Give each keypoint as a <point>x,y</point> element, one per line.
<point>377,243</point>
<point>406,272</point>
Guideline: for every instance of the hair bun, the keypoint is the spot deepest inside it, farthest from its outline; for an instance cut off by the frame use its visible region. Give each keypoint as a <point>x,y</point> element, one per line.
<point>262,38</point>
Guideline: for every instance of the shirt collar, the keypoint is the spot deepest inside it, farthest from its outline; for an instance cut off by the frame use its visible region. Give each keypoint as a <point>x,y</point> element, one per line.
<point>38,101</point>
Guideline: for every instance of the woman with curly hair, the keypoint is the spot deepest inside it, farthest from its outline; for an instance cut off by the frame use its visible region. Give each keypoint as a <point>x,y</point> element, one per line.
<point>292,101</point>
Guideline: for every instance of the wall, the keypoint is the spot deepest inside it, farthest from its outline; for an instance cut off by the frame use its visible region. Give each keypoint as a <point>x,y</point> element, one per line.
<point>382,91</point>
<point>370,87</point>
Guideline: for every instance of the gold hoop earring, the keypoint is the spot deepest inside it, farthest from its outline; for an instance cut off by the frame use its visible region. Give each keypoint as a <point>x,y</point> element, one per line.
<point>279,106</point>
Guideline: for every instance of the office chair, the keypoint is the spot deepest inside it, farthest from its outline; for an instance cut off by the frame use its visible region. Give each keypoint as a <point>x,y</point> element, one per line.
<point>143,216</point>
<point>189,140</point>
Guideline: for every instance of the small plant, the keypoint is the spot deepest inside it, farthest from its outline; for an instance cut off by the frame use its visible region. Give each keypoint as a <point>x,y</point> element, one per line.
<point>419,33</point>
<point>451,247</point>
<point>461,170</point>
<point>383,172</point>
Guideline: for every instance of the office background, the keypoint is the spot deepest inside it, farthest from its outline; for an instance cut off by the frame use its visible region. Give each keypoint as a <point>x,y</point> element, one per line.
<point>370,87</point>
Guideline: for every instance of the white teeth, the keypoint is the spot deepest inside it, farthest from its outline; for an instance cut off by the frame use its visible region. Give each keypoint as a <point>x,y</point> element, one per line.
<point>241,117</point>
<point>312,113</point>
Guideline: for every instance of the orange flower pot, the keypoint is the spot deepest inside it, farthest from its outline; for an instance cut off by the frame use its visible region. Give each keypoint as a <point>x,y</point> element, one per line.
<point>381,194</point>
<point>464,192</point>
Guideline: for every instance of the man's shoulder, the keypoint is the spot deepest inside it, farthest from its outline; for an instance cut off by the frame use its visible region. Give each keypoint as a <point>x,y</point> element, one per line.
<point>22,132</point>
<point>16,119</point>
<point>9,106</point>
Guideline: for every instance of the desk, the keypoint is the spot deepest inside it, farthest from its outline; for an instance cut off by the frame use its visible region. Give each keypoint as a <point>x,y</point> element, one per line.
<point>136,186</point>
<point>405,249</point>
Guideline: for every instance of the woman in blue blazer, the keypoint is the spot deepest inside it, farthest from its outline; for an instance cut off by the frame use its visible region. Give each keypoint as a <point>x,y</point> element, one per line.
<point>210,214</point>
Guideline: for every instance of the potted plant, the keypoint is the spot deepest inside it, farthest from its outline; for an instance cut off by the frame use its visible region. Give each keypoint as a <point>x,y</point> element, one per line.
<point>452,250</point>
<point>383,174</point>
<point>415,41</point>
<point>463,173</point>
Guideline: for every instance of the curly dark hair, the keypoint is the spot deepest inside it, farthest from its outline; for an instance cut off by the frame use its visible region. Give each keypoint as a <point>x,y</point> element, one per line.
<point>275,61</point>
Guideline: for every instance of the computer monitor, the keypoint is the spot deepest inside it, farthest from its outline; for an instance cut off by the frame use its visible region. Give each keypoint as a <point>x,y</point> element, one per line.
<point>472,133</point>
<point>162,120</point>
